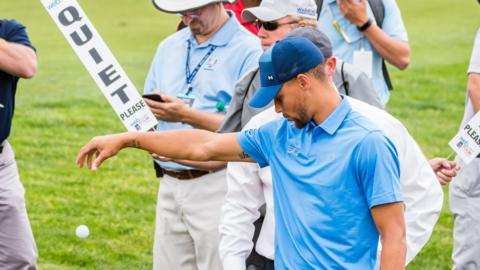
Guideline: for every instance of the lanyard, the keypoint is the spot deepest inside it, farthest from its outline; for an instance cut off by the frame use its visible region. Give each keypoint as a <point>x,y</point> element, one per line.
<point>337,26</point>
<point>189,76</point>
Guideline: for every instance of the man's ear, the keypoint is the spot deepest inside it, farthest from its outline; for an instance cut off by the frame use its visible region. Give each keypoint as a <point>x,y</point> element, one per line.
<point>330,66</point>
<point>304,81</point>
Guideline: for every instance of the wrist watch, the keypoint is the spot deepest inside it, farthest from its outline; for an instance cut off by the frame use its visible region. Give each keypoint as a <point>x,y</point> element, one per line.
<point>365,26</point>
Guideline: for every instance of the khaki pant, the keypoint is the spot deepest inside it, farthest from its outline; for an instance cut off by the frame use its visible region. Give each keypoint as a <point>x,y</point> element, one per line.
<point>17,246</point>
<point>465,207</point>
<point>187,219</point>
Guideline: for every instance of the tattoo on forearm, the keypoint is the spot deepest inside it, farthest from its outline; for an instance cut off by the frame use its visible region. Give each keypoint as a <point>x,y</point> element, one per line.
<point>243,155</point>
<point>135,143</point>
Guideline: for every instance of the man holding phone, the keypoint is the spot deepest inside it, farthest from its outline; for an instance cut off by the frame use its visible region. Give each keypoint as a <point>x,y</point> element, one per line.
<point>193,72</point>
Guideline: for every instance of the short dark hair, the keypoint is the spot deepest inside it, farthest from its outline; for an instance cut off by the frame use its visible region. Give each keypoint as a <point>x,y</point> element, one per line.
<point>319,71</point>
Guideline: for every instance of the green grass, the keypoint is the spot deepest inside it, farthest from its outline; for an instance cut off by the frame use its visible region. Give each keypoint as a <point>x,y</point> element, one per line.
<point>62,108</point>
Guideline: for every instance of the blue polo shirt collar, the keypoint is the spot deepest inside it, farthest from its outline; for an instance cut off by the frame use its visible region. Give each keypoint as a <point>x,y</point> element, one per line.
<point>335,119</point>
<point>331,1</point>
<point>222,37</point>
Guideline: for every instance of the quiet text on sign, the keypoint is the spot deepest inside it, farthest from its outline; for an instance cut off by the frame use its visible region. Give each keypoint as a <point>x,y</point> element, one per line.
<point>101,64</point>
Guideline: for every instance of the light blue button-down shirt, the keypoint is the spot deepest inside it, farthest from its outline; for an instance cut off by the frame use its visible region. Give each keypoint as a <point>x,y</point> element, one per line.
<point>392,25</point>
<point>325,180</point>
<point>237,52</point>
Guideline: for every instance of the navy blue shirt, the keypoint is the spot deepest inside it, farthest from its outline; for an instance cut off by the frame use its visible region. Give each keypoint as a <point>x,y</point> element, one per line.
<point>10,31</point>
<point>326,178</point>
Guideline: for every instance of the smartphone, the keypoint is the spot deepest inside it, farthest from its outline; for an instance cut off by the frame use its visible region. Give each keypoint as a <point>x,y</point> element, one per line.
<point>153,96</point>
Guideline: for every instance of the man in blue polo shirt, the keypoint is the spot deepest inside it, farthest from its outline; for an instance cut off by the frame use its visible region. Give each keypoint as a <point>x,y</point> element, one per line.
<point>194,70</point>
<point>17,60</point>
<point>335,175</point>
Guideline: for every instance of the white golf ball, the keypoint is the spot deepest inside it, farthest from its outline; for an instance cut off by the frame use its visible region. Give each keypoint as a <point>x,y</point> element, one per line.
<point>82,231</point>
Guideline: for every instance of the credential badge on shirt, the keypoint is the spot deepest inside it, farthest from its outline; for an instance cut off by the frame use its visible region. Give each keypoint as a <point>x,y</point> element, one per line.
<point>187,99</point>
<point>363,60</point>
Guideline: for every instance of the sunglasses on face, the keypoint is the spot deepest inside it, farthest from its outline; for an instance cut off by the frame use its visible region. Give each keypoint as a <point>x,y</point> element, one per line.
<point>272,25</point>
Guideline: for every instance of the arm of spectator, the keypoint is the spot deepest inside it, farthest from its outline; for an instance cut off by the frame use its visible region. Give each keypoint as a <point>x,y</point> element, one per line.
<point>239,212</point>
<point>17,59</point>
<point>391,226</point>
<point>201,165</point>
<point>395,51</point>
<point>473,86</point>
<point>174,110</point>
<point>444,169</point>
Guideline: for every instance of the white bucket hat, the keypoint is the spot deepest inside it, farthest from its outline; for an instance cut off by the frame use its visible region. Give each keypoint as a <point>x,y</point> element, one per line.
<point>271,10</point>
<point>175,6</point>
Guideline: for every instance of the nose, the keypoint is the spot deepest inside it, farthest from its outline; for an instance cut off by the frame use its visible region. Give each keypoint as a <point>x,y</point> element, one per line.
<point>262,33</point>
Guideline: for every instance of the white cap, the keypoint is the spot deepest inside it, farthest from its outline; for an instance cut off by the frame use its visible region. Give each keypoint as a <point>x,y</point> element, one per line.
<point>175,6</point>
<point>271,10</point>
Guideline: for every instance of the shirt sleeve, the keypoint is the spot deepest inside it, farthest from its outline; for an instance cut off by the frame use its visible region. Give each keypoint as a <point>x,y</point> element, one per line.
<point>251,61</point>
<point>253,142</point>
<point>475,60</point>
<point>378,169</point>
<point>151,80</point>
<point>240,210</point>
<point>392,23</point>
<point>16,33</point>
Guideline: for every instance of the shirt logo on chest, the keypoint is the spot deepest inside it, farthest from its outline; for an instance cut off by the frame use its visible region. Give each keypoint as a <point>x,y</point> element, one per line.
<point>292,150</point>
<point>210,64</point>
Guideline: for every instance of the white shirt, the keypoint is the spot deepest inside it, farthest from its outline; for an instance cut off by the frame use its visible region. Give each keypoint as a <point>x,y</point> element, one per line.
<point>474,67</point>
<point>249,187</point>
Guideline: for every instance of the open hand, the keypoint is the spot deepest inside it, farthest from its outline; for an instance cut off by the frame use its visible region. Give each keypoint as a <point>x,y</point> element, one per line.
<point>99,149</point>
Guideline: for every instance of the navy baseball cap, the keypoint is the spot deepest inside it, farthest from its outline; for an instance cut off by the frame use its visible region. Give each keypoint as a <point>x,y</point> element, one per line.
<point>282,62</point>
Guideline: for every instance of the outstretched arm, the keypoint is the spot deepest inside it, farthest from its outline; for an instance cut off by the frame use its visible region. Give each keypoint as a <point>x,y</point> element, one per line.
<point>196,145</point>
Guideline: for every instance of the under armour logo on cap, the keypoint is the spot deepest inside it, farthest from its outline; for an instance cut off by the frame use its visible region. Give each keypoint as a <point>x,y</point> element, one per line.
<point>270,77</point>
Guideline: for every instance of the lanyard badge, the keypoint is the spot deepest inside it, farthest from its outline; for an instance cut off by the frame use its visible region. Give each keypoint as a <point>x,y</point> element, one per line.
<point>188,97</point>
<point>363,60</point>
<point>337,26</point>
